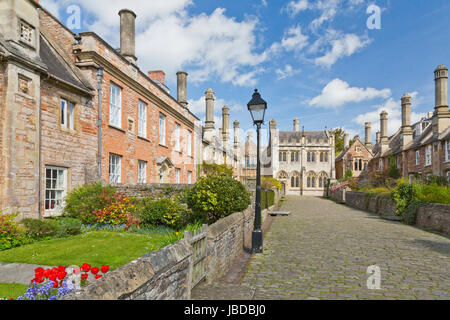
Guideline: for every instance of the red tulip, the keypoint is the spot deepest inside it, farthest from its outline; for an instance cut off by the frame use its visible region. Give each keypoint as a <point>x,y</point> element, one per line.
<point>84,276</point>
<point>95,270</point>
<point>62,269</point>
<point>62,275</point>
<point>86,267</point>
<point>46,273</point>
<point>98,276</point>
<point>104,269</point>
<point>55,284</point>
<point>52,277</point>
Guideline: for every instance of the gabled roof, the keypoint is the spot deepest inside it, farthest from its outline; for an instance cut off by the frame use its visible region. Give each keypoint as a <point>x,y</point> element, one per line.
<point>57,66</point>
<point>346,150</point>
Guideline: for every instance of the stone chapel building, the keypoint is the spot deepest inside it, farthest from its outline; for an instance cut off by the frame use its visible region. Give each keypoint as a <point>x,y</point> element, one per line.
<point>303,161</point>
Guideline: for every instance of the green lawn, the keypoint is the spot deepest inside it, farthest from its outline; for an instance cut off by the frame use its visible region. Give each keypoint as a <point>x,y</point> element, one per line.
<point>95,248</point>
<point>12,290</point>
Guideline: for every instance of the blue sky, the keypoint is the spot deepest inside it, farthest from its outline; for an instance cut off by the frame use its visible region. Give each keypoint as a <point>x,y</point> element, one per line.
<point>313,60</point>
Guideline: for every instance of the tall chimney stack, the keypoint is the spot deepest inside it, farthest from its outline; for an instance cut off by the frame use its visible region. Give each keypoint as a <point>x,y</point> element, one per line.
<point>225,124</point>
<point>272,124</point>
<point>296,125</point>
<point>209,122</point>
<point>346,140</point>
<point>384,131</point>
<point>378,137</point>
<point>236,134</point>
<point>368,135</point>
<point>128,34</point>
<point>406,130</point>
<point>182,88</point>
<point>441,118</point>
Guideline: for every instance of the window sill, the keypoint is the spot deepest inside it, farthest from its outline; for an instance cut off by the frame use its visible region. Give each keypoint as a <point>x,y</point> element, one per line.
<point>117,128</point>
<point>143,138</point>
<point>164,146</point>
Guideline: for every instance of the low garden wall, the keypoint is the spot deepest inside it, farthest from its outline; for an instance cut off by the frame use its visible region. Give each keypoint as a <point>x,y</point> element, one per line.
<point>432,216</point>
<point>166,273</point>
<point>151,190</point>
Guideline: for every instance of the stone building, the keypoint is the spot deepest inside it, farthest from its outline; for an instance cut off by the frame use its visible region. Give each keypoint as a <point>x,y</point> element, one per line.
<point>64,123</point>
<point>356,157</point>
<point>216,146</point>
<point>48,137</point>
<point>420,149</point>
<point>303,161</point>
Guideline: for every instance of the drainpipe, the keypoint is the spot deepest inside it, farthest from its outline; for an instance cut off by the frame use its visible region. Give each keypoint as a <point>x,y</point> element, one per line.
<point>99,121</point>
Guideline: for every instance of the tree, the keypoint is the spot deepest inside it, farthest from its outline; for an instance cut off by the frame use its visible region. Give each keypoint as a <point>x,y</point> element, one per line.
<point>339,140</point>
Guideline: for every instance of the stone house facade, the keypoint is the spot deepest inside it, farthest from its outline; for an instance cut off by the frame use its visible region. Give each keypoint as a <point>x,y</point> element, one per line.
<point>303,161</point>
<point>47,123</point>
<point>420,149</point>
<point>355,157</point>
<point>74,110</point>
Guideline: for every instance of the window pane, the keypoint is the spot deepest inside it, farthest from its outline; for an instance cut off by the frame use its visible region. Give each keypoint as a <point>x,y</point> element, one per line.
<point>63,113</point>
<point>71,116</point>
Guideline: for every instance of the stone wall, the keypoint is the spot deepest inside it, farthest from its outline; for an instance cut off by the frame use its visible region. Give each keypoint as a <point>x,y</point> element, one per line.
<point>166,273</point>
<point>151,190</point>
<point>432,216</point>
<point>435,217</point>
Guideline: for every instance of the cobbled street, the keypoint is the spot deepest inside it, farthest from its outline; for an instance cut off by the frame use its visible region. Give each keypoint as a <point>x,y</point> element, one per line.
<point>322,251</point>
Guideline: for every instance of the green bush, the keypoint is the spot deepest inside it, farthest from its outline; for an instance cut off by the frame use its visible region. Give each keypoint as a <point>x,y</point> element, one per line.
<point>69,226</point>
<point>83,201</point>
<point>38,229</point>
<point>161,212</point>
<point>215,197</point>
<point>269,183</point>
<point>404,195</point>
<point>217,169</point>
<point>11,233</point>
<point>434,193</point>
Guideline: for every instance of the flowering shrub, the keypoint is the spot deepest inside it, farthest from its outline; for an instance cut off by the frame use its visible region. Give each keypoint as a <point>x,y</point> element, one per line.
<point>83,201</point>
<point>52,284</point>
<point>11,233</point>
<point>339,186</point>
<point>119,211</point>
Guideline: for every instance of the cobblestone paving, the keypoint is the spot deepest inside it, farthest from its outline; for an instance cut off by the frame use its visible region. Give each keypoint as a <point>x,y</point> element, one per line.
<point>322,251</point>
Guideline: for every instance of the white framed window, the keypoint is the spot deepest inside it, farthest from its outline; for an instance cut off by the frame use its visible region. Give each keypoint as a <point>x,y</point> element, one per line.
<point>142,171</point>
<point>177,175</point>
<point>447,151</point>
<point>177,137</point>
<point>162,129</point>
<point>428,155</point>
<point>142,125</point>
<point>115,105</point>
<point>55,188</point>
<point>417,157</point>
<point>67,115</point>
<point>115,164</point>
<point>189,177</point>
<point>189,143</point>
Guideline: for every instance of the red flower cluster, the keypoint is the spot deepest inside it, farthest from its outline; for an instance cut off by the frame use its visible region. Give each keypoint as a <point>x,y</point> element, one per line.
<point>87,267</point>
<point>54,274</point>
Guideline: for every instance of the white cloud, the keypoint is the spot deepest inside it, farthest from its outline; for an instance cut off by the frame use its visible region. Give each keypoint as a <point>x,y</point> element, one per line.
<point>294,7</point>
<point>394,110</point>
<point>286,72</point>
<point>342,45</point>
<point>169,38</point>
<point>338,92</point>
<point>198,106</point>
<point>293,40</point>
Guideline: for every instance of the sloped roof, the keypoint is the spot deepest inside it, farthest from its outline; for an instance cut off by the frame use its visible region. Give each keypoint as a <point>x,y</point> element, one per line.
<point>345,151</point>
<point>297,135</point>
<point>58,67</point>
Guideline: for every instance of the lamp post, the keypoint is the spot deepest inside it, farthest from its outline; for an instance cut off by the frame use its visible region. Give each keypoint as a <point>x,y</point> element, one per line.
<point>257,107</point>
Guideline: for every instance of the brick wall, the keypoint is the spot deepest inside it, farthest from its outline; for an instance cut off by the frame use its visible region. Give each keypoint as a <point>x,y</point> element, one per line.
<point>151,190</point>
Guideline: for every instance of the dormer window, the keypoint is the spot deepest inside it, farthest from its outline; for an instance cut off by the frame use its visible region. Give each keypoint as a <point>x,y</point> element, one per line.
<point>26,33</point>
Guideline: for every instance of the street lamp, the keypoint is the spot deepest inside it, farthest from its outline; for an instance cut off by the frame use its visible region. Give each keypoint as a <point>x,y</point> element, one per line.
<point>257,107</point>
